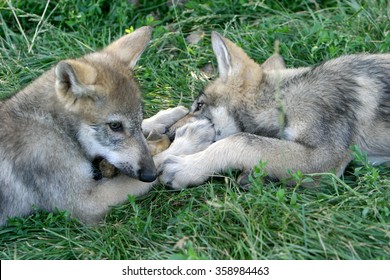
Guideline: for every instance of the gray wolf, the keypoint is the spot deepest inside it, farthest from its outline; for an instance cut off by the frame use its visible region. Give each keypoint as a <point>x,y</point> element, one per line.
<point>81,109</point>
<point>292,119</point>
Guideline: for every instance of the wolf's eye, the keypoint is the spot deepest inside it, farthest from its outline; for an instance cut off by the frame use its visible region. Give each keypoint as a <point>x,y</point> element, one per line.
<point>199,106</point>
<point>116,126</point>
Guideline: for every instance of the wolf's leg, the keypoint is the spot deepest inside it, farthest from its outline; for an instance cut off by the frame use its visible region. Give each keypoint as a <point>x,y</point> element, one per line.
<point>163,120</point>
<point>94,203</point>
<point>190,138</point>
<point>243,151</point>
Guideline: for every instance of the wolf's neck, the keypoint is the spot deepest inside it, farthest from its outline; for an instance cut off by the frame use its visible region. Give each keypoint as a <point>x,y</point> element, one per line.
<point>263,113</point>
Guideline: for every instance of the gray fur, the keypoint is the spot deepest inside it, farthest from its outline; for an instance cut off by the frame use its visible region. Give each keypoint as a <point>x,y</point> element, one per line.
<point>52,130</point>
<point>294,119</point>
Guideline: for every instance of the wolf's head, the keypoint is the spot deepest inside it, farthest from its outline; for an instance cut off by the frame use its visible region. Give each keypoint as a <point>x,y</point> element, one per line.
<point>101,91</point>
<point>238,82</point>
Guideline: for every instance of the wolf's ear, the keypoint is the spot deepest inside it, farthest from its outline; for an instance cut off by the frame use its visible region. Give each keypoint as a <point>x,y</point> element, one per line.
<point>222,53</point>
<point>74,79</point>
<point>232,60</point>
<point>130,47</point>
<point>275,62</point>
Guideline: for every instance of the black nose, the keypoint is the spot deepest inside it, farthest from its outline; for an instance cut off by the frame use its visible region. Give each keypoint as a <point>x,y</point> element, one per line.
<point>147,175</point>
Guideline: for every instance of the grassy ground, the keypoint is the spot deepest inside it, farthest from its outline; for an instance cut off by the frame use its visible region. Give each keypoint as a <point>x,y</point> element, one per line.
<point>341,219</point>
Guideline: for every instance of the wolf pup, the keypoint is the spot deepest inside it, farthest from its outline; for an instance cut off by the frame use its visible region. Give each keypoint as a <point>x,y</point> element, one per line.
<point>53,129</point>
<point>293,119</point>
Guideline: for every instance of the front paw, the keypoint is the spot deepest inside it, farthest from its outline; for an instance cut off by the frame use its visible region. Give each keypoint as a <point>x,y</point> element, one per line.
<point>181,172</point>
<point>103,169</point>
<point>193,137</point>
<point>163,120</point>
<point>107,169</point>
<point>157,142</point>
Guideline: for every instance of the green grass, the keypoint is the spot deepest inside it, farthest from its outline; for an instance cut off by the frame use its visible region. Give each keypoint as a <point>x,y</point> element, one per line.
<point>347,218</point>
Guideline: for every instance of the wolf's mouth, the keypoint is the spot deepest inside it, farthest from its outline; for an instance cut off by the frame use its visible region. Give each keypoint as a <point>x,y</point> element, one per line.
<point>96,172</point>
<point>102,168</point>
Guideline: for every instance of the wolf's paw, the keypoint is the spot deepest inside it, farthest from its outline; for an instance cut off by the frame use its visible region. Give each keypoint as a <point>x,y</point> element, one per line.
<point>243,180</point>
<point>157,142</point>
<point>193,137</point>
<point>107,169</point>
<point>163,120</point>
<point>190,138</point>
<point>181,172</point>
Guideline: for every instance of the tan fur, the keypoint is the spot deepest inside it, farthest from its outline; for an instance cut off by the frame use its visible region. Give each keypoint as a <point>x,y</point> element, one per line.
<point>157,142</point>
<point>107,169</point>
<point>81,110</point>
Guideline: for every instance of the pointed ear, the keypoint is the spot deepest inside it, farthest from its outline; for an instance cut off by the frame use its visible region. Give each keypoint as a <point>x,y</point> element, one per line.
<point>232,60</point>
<point>74,79</point>
<point>275,62</point>
<point>222,54</point>
<point>130,47</point>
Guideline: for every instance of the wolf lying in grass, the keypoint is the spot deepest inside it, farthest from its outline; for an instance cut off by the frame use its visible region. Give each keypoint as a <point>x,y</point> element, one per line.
<point>80,110</point>
<point>293,119</point>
